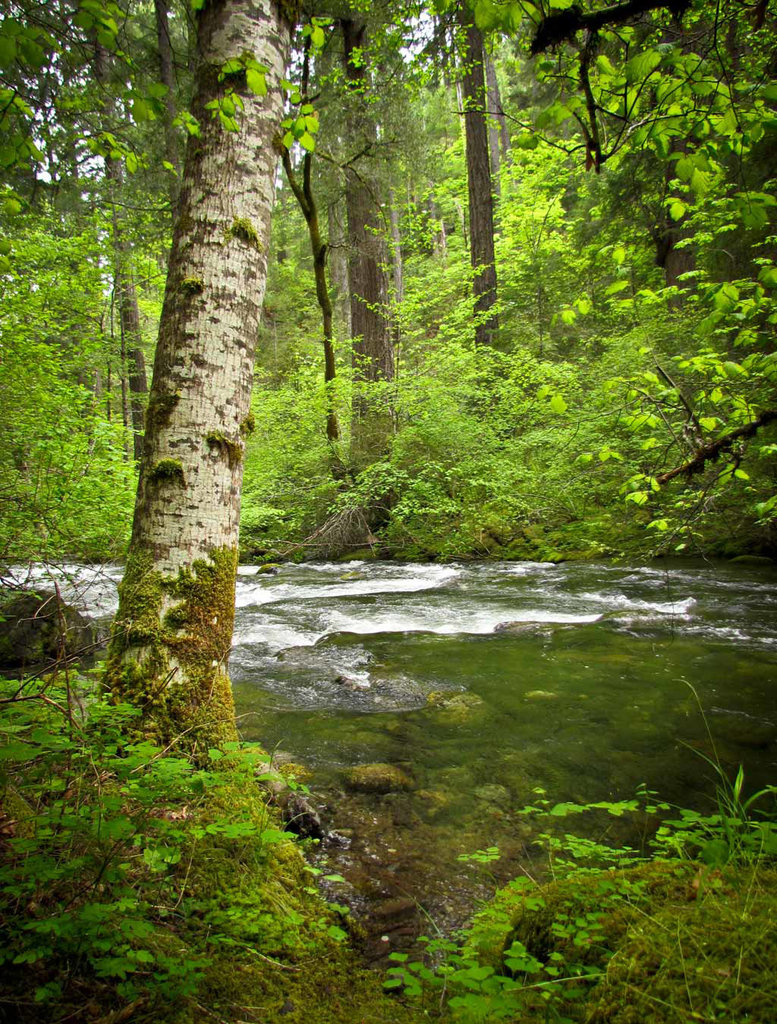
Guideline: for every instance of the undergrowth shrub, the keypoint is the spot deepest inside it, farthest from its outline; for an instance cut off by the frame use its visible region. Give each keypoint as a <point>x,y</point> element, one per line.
<point>616,936</point>
<point>128,872</point>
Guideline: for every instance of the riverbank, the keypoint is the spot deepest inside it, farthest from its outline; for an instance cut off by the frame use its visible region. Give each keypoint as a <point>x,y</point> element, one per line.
<point>136,886</point>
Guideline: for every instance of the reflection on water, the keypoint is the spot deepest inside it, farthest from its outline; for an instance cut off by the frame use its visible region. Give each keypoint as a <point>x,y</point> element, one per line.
<point>483,682</point>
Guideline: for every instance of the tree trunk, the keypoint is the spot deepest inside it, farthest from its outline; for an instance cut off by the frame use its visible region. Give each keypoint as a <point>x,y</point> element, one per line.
<point>498,135</point>
<point>373,351</point>
<point>338,262</point>
<point>172,634</point>
<point>481,209</point>
<point>307,203</point>
<point>124,282</point>
<point>167,78</point>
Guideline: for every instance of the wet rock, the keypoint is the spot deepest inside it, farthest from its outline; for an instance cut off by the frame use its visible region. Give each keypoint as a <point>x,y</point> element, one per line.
<point>348,683</point>
<point>37,627</point>
<point>751,560</point>
<point>433,801</point>
<point>531,628</point>
<point>395,913</point>
<point>338,839</point>
<point>377,778</point>
<point>300,816</point>
<point>743,729</point>
<point>268,569</point>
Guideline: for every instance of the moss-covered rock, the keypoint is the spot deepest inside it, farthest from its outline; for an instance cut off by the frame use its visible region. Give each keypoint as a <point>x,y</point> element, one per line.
<point>664,941</point>
<point>38,628</point>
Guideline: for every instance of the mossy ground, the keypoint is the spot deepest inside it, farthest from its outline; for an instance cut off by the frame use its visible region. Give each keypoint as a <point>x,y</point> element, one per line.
<point>665,942</point>
<point>193,905</point>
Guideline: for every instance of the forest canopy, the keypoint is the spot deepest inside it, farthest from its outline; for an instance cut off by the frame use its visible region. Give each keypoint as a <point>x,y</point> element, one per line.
<point>521,280</point>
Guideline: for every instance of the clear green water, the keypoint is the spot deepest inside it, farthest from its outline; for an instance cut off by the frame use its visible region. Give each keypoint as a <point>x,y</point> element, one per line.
<point>585,693</point>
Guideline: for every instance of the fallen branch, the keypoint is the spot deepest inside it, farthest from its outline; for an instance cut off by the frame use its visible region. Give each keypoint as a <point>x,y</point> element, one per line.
<point>710,452</point>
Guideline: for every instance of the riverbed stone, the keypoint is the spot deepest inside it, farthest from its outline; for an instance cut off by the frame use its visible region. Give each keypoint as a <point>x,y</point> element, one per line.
<point>455,706</point>
<point>540,695</point>
<point>377,778</point>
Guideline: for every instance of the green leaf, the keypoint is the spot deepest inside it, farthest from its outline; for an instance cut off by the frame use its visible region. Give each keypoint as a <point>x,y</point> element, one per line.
<point>141,111</point>
<point>307,141</point>
<point>7,51</point>
<point>638,497</point>
<point>615,287</point>
<point>677,210</point>
<point>726,297</point>
<point>642,65</point>
<point>526,140</point>
<point>256,82</point>
<point>768,276</point>
<point>557,404</point>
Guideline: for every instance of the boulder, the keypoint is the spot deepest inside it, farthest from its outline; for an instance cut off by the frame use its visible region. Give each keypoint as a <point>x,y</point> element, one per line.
<point>37,626</point>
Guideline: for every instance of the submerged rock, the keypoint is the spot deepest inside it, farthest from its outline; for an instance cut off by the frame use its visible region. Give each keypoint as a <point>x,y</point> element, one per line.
<point>377,778</point>
<point>456,706</point>
<point>540,695</point>
<point>494,794</point>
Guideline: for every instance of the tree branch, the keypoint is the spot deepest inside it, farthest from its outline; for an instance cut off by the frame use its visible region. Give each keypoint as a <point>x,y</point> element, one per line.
<point>564,25</point>
<point>710,452</point>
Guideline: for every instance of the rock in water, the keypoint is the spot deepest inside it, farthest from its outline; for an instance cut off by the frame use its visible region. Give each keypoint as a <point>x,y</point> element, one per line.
<point>377,778</point>
<point>38,627</point>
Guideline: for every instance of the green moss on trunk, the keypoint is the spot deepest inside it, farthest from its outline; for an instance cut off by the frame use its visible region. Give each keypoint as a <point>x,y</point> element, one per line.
<point>169,649</point>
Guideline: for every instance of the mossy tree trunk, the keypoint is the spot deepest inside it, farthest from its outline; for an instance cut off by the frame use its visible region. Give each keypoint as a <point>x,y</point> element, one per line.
<point>173,631</point>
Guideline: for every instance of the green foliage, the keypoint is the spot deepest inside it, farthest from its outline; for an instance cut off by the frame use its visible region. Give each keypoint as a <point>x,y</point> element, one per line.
<point>546,952</point>
<point>126,872</point>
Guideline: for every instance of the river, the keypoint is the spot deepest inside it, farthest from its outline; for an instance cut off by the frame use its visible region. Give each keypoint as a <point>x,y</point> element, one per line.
<point>481,683</point>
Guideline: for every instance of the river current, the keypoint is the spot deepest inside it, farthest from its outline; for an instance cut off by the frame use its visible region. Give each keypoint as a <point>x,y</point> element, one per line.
<point>482,683</point>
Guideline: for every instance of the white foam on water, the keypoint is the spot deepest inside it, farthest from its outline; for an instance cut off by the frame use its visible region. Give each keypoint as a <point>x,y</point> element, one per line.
<point>276,636</point>
<point>620,602</point>
<point>429,620</point>
<point>91,588</point>
<point>273,591</point>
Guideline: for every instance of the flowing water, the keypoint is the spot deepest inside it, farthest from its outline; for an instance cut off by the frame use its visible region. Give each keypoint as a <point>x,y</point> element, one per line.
<point>482,682</point>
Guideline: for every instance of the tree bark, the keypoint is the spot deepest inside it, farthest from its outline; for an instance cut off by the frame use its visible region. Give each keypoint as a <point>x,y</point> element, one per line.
<point>479,183</point>
<point>172,634</point>
<point>373,349</point>
<point>167,78</point>
<point>498,135</point>
<point>338,262</point>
